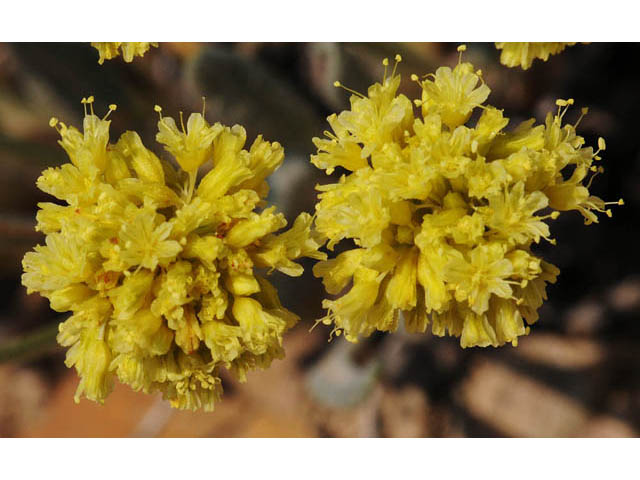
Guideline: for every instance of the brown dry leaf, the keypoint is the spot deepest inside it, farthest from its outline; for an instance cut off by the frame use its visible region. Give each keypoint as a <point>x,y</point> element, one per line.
<point>185,50</point>
<point>405,413</point>
<point>606,426</point>
<point>22,394</point>
<point>270,404</point>
<point>585,318</point>
<point>625,296</point>
<point>360,421</point>
<point>560,352</point>
<point>118,417</point>
<point>519,406</point>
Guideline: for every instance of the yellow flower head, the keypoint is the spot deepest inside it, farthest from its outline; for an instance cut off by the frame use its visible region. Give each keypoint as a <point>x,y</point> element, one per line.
<point>444,210</point>
<point>109,50</point>
<point>165,276</point>
<point>522,54</point>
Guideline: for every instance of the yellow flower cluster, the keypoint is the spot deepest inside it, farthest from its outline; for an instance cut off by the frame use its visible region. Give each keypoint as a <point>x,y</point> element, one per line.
<point>165,275</point>
<point>444,210</point>
<point>522,54</point>
<point>109,50</point>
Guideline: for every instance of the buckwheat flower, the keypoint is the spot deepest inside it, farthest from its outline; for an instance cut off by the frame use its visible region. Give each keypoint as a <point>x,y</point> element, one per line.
<point>109,50</point>
<point>445,211</point>
<point>165,273</point>
<point>522,54</point>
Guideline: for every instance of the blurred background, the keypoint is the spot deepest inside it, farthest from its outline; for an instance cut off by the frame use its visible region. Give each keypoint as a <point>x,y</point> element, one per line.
<point>575,375</point>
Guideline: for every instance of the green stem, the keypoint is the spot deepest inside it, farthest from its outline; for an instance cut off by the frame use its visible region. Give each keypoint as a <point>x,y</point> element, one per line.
<point>31,345</point>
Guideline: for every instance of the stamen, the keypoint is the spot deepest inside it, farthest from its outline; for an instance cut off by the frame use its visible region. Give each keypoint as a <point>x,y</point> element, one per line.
<point>90,101</point>
<point>398,59</point>
<point>182,124</point>
<point>415,78</point>
<point>385,62</point>
<point>461,48</point>
<point>337,84</point>
<point>158,109</point>
<point>204,103</point>
<point>597,171</point>
<point>583,112</point>
<point>112,108</point>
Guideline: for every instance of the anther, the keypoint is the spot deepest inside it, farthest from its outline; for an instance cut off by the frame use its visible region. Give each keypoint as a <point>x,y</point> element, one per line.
<point>583,112</point>
<point>555,214</point>
<point>53,122</point>
<point>112,108</point>
<point>601,144</point>
<point>461,48</point>
<point>385,62</point>
<point>158,109</point>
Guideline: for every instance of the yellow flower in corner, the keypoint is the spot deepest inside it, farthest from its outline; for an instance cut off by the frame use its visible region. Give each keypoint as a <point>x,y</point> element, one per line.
<point>164,272</point>
<point>443,207</point>
<point>522,54</point>
<point>109,50</point>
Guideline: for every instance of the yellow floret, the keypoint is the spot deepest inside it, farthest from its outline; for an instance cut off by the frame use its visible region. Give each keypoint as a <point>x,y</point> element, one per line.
<point>109,50</point>
<point>443,209</point>
<point>160,270</point>
<point>522,54</point>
